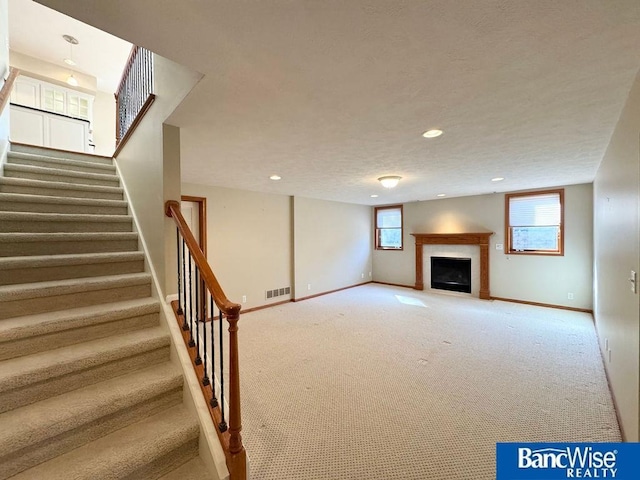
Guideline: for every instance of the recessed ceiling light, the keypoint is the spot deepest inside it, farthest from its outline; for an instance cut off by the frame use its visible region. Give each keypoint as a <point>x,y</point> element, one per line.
<point>441,195</point>
<point>374,196</point>
<point>275,177</point>
<point>432,133</point>
<point>497,179</point>
<point>69,61</point>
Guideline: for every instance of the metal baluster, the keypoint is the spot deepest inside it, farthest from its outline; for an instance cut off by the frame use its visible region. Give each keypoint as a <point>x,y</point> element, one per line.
<point>185,325</point>
<point>198,360</point>
<point>214,401</point>
<point>191,342</point>
<point>223,424</point>
<point>205,378</point>
<point>180,312</point>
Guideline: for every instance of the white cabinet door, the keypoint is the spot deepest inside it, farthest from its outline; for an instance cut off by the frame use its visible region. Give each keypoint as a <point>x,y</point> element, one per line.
<point>67,134</point>
<point>26,92</point>
<point>27,126</point>
<point>36,127</point>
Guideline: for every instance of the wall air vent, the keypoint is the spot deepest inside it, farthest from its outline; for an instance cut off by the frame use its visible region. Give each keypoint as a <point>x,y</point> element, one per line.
<point>277,292</point>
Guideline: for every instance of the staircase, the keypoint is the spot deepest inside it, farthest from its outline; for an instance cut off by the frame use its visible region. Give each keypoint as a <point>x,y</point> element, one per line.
<point>87,390</point>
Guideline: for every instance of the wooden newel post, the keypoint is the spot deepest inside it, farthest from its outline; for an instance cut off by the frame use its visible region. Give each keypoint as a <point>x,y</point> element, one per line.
<point>238,456</point>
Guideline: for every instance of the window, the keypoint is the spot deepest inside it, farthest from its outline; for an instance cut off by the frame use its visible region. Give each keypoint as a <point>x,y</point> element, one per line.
<point>535,222</point>
<point>389,228</point>
<point>53,101</point>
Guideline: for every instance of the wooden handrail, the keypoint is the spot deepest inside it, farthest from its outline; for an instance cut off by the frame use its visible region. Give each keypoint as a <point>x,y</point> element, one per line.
<point>127,67</point>
<point>223,303</point>
<point>5,92</point>
<point>231,440</point>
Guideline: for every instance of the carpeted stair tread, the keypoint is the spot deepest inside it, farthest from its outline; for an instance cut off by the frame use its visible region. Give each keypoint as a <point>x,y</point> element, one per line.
<point>31,369</point>
<point>51,204</point>
<point>44,187</point>
<point>19,158</point>
<point>33,333</point>
<point>60,287</point>
<point>42,268</point>
<point>33,243</point>
<point>36,261</point>
<point>58,175</point>
<point>39,297</point>
<point>62,217</point>
<point>61,154</point>
<point>32,434</point>
<point>192,470</point>
<point>62,222</point>
<point>144,450</point>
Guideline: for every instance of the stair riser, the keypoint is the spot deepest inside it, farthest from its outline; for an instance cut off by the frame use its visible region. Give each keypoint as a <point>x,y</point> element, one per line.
<point>37,226</point>
<point>11,249</point>
<point>166,463</point>
<point>17,308</point>
<point>50,447</point>
<point>61,208</point>
<point>60,192</point>
<point>47,152</point>
<point>74,335</point>
<point>63,272</point>
<point>71,167</point>
<point>92,374</point>
<point>44,177</point>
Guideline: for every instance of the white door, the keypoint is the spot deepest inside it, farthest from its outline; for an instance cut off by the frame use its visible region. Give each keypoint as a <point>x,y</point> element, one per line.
<point>191,214</point>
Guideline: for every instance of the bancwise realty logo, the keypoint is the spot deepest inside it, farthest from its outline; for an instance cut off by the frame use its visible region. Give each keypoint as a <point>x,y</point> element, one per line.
<point>551,461</point>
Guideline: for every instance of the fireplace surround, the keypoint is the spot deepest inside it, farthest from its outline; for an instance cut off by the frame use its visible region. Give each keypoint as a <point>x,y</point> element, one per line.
<point>478,238</point>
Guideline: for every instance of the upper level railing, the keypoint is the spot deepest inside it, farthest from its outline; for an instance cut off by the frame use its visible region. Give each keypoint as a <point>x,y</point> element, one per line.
<point>5,91</point>
<point>135,93</point>
<point>198,292</point>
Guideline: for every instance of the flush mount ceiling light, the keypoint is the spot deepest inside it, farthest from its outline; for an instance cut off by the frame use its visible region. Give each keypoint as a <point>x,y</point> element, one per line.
<point>497,179</point>
<point>432,133</point>
<point>374,196</point>
<point>441,195</point>
<point>389,181</point>
<point>275,177</point>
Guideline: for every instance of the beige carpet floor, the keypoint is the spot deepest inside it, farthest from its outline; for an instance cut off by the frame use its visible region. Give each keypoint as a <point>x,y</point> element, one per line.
<point>378,382</point>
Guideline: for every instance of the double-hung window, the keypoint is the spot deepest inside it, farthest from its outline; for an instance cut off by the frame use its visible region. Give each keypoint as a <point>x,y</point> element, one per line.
<point>535,222</point>
<point>389,228</point>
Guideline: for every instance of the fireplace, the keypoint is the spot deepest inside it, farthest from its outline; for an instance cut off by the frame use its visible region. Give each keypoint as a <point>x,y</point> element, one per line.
<point>481,239</point>
<point>453,274</point>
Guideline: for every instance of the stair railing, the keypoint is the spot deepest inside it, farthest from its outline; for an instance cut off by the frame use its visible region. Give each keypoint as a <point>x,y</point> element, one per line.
<point>7,86</point>
<point>198,294</point>
<point>135,93</point>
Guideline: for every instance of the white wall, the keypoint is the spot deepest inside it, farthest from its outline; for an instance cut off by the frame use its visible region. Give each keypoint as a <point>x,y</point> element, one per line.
<point>260,241</point>
<point>333,244</point>
<point>4,72</point>
<point>104,106</point>
<point>50,72</point>
<point>104,123</point>
<point>151,178</point>
<point>249,243</point>
<point>617,252</point>
<point>542,279</point>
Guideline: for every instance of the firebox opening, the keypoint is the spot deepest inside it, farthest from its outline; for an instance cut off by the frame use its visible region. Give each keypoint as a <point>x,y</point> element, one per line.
<point>453,274</point>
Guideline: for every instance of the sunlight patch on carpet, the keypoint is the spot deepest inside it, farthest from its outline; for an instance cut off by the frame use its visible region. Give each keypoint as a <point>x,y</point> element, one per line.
<point>410,301</point>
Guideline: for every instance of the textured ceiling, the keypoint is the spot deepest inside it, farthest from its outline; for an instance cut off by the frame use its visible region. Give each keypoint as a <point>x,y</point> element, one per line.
<point>332,94</point>
<point>37,31</point>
